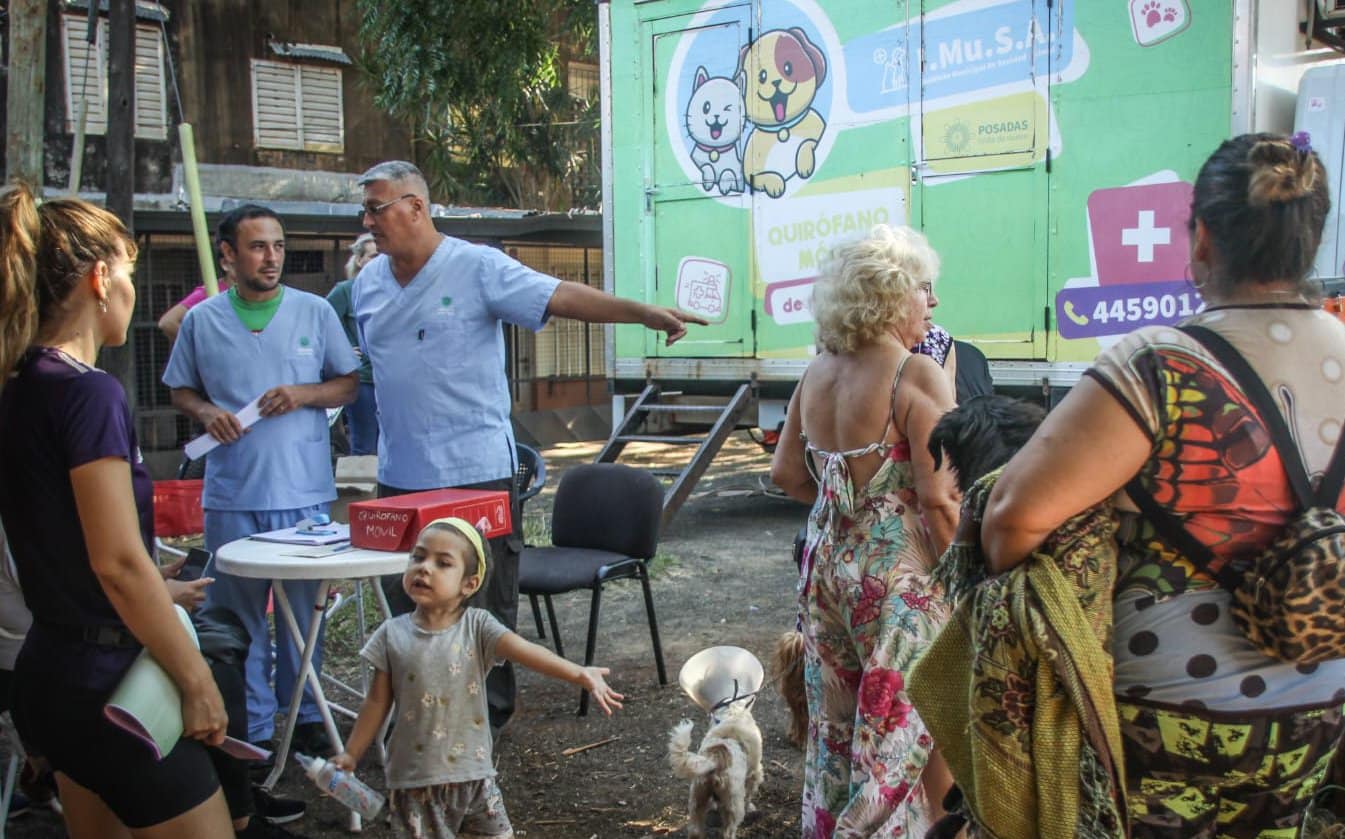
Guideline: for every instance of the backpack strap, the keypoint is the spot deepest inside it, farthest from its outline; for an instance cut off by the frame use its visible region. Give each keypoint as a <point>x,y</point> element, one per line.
<point>1171,528</point>
<point>1255,390</point>
<point>1175,533</point>
<point>1333,479</point>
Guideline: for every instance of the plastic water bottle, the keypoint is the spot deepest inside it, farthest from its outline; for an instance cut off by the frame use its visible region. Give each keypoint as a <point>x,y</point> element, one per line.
<point>341,785</point>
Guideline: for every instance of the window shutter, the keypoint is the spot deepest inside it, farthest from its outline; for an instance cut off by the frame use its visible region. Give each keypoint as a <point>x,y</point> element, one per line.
<point>275,105</point>
<point>84,76</point>
<point>323,120</point>
<point>297,107</point>
<point>151,120</point>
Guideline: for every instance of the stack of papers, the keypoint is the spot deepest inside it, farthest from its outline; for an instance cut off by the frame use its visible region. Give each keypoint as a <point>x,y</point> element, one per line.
<point>327,534</point>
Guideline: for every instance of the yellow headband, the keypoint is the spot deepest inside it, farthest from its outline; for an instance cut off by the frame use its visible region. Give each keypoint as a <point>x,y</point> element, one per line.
<point>471,534</point>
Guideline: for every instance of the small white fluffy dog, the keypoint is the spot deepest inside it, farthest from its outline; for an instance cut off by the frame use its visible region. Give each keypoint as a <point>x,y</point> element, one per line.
<point>726,770</point>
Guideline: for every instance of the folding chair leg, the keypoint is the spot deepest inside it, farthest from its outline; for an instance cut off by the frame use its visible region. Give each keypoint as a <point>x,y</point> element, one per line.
<point>593,611</point>
<point>555,628</point>
<point>11,781</point>
<point>537,616</point>
<point>653,624</point>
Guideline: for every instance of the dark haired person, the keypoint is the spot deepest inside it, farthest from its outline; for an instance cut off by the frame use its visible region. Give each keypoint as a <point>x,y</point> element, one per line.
<point>286,346</point>
<point>171,321</point>
<point>981,434</point>
<point>1218,738</point>
<point>77,506</point>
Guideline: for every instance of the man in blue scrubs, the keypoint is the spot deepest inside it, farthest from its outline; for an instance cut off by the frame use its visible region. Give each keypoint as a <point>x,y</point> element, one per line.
<point>286,346</point>
<point>429,310</point>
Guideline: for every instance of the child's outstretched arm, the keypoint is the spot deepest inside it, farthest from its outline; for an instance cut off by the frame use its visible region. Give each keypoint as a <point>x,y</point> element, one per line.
<point>513,647</point>
<point>373,711</point>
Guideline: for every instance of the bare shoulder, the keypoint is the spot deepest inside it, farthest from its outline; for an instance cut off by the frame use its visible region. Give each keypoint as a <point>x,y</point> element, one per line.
<point>923,373</point>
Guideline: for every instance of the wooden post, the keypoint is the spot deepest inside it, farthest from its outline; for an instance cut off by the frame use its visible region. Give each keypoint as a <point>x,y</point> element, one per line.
<point>26,90</point>
<point>120,361</point>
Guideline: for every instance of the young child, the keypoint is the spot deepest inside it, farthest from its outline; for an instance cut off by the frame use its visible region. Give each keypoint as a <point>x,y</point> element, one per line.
<point>433,664</point>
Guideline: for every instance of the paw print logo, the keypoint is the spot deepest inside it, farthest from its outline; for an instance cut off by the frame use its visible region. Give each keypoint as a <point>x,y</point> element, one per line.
<point>1155,21</point>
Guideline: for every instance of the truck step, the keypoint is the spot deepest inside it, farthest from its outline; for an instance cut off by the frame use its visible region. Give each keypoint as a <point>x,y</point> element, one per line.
<point>681,481</point>
<point>654,438</point>
<point>662,408</point>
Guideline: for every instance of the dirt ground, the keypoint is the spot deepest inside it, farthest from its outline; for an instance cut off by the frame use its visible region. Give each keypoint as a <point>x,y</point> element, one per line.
<point>724,576</point>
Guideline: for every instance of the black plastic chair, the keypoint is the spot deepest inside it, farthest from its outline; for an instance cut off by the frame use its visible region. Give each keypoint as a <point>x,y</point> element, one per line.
<point>604,527</point>
<point>529,479</point>
<point>531,474</point>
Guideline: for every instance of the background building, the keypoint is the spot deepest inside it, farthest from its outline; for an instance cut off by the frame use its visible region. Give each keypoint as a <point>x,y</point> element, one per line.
<point>283,117</point>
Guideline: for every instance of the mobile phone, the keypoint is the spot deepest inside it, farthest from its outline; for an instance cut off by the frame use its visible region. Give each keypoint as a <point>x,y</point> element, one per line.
<point>194,565</point>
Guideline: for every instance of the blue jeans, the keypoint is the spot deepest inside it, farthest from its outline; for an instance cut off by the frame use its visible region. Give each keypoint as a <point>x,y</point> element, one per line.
<point>362,421</point>
<point>246,597</point>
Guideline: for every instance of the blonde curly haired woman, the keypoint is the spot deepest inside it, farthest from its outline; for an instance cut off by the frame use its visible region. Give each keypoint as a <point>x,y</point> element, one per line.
<point>854,445</point>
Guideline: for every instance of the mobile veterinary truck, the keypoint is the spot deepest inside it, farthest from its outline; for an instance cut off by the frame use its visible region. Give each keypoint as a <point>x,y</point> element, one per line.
<point>1046,148</point>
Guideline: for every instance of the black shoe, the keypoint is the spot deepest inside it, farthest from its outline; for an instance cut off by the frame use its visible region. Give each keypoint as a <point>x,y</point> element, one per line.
<point>277,810</point>
<point>19,805</point>
<point>262,829</point>
<point>40,786</point>
<point>311,738</point>
<point>258,770</point>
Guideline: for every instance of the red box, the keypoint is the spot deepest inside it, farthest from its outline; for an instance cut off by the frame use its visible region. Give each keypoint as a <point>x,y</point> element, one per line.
<point>392,524</point>
<point>177,508</point>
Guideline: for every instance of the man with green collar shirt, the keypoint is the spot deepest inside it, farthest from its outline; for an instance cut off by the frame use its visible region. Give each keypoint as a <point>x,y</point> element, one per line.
<point>286,346</point>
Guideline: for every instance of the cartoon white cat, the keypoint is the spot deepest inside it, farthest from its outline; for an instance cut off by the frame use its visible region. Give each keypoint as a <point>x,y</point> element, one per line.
<point>715,121</point>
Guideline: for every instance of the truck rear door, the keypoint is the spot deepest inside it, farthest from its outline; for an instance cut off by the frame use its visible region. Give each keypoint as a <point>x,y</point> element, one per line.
<point>983,132</point>
<point>695,222</point>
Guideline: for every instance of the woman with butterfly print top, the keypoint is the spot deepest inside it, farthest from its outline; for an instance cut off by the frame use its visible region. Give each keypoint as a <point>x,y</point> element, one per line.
<point>854,445</point>
<point>1219,739</point>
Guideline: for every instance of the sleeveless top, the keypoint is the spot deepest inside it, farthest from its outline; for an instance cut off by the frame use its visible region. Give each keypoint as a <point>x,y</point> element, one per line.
<point>842,508</point>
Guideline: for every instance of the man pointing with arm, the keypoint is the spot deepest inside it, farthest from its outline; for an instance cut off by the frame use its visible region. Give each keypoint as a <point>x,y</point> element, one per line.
<point>430,311</point>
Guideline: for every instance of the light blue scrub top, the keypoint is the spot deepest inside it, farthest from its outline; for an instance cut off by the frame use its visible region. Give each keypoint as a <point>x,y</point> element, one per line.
<point>437,349</point>
<point>283,462</point>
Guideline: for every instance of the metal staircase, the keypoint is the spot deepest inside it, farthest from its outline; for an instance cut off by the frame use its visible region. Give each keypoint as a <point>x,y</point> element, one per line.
<point>651,402</point>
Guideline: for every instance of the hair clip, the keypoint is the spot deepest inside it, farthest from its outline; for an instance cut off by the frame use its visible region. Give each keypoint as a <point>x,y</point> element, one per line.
<point>1301,141</point>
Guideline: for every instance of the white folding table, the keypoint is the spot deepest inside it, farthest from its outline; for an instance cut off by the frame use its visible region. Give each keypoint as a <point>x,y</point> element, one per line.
<point>271,561</point>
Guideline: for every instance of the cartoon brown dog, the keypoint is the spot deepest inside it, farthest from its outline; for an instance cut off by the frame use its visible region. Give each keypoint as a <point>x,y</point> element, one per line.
<point>779,74</point>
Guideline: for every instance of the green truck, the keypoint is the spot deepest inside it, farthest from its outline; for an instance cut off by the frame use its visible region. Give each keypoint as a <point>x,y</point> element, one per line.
<point>1045,147</point>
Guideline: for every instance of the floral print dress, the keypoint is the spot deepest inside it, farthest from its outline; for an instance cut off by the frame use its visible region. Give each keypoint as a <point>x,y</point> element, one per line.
<point>869,610</point>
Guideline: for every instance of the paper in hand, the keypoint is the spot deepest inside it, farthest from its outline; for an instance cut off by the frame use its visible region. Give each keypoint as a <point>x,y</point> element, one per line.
<point>247,418</point>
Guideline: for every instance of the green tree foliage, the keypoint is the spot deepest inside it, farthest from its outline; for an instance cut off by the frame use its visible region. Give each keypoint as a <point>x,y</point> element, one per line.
<point>481,82</point>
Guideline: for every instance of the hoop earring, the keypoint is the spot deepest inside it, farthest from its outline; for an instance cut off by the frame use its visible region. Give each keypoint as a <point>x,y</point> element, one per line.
<point>102,306</point>
<point>1190,279</point>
